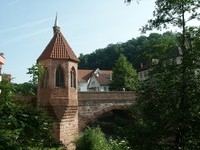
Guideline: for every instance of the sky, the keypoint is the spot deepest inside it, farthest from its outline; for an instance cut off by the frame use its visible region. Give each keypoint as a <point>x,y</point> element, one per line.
<point>26,27</point>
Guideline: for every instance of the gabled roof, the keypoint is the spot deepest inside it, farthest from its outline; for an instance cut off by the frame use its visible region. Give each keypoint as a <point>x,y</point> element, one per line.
<point>98,71</point>
<point>106,71</point>
<point>104,79</point>
<point>58,48</point>
<point>85,75</point>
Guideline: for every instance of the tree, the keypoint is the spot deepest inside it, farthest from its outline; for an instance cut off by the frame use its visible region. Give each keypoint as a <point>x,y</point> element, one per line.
<point>101,58</point>
<point>23,127</point>
<point>168,102</point>
<point>159,119</point>
<point>26,88</point>
<point>135,50</point>
<point>124,75</point>
<point>36,72</point>
<point>174,12</point>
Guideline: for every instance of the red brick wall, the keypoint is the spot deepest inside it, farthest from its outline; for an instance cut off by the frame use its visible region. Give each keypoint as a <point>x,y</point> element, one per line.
<point>60,102</point>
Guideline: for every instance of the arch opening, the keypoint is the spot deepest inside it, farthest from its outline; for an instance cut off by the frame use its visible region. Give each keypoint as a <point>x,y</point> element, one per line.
<point>73,77</point>
<point>111,121</point>
<point>59,77</point>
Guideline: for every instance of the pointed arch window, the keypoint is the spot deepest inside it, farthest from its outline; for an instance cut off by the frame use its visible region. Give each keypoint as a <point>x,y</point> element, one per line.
<point>73,77</point>
<point>59,77</point>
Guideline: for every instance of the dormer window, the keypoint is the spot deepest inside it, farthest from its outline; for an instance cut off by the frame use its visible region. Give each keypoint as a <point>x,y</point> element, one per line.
<point>73,77</point>
<point>59,77</point>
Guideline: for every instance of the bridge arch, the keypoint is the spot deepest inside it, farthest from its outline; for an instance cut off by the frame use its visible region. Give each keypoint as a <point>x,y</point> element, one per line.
<point>85,120</point>
<point>94,104</point>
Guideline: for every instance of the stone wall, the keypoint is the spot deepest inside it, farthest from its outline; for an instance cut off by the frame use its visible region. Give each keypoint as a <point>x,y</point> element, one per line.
<point>93,104</point>
<point>26,99</point>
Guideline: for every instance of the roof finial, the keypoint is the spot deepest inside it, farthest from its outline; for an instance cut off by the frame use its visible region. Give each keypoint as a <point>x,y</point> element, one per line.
<point>56,28</point>
<point>56,20</point>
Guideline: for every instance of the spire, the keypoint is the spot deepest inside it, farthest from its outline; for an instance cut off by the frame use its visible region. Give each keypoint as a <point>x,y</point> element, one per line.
<point>56,21</point>
<point>56,28</point>
<point>58,47</point>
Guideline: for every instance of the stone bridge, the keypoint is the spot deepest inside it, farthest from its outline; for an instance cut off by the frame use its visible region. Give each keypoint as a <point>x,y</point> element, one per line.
<point>91,105</point>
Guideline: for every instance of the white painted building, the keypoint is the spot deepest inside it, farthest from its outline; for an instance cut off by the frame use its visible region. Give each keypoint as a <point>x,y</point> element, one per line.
<point>94,80</point>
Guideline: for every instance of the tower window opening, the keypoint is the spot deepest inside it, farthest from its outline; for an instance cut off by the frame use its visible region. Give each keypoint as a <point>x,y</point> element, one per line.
<point>73,77</point>
<point>59,77</point>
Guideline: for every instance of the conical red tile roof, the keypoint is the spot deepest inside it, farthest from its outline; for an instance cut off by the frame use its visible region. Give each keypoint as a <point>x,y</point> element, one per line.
<point>58,48</point>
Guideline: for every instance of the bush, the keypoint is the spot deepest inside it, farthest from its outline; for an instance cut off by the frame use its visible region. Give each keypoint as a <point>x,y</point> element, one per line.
<point>23,127</point>
<point>94,139</point>
<point>118,144</point>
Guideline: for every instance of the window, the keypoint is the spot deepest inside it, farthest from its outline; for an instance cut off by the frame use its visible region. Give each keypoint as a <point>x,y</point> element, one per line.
<point>73,77</point>
<point>59,77</point>
<point>105,88</point>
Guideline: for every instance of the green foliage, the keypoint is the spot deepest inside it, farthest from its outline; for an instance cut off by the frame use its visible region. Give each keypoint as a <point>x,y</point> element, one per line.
<point>162,119</point>
<point>124,75</point>
<point>26,88</point>
<point>22,127</point>
<point>36,72</point>
<point>173,90</point>
<point>169,104</point>
<point>118,144</point>
<point>167,115</point>
<point>135,50</point>
<point>173,12</point>
<point>94,139</point>
<point>101,58</point>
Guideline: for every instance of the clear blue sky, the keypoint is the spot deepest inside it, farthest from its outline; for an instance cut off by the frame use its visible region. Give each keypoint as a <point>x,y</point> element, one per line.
<point>26,27</point>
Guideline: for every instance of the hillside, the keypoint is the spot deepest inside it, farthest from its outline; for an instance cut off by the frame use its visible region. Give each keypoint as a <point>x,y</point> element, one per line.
<point>137,51</point>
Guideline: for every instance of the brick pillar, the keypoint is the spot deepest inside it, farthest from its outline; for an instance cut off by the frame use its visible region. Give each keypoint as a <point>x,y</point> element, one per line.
<point>66,129</point>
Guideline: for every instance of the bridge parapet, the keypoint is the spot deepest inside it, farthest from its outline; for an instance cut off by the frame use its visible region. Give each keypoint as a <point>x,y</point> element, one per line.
<point>93,104</point>
<point>113,95</point>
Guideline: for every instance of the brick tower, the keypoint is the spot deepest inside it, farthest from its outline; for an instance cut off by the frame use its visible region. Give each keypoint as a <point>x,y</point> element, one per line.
<point>57,90</point>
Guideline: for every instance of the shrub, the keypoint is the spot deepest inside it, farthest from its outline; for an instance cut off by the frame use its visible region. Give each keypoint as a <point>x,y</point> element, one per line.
<point>94,139</point>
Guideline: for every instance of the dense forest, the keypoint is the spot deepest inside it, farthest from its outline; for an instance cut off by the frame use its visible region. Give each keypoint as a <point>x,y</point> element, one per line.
<point>136,50</point>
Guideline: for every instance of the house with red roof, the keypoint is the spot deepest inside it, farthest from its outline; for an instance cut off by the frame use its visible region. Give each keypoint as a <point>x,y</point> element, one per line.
<point>94,80</point>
